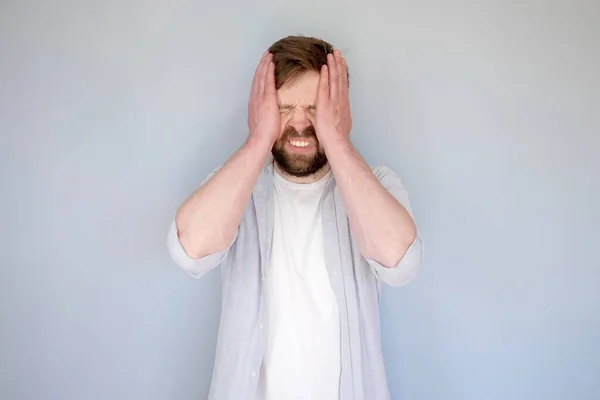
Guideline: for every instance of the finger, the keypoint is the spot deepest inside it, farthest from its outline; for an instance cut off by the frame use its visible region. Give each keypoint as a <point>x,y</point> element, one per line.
<point>323,93</point>
<point>263,74</point>
<point>340,66</point>
<point>255,82</point>
<point>270,81</point>
<point>333,77</point>
<point>344,75</point>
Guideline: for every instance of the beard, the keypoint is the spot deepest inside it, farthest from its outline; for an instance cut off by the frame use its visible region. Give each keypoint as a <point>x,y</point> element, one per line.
<point>299,165</point>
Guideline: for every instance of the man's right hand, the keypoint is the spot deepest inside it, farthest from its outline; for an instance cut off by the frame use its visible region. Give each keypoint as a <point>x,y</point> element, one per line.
<point>263,108</point>
<point>208,220</point>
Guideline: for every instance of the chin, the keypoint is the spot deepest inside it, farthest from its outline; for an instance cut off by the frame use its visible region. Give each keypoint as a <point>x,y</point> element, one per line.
<point>300,168</point>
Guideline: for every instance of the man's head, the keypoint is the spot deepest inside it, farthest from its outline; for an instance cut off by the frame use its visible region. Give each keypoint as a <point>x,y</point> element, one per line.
<point>298,61</point>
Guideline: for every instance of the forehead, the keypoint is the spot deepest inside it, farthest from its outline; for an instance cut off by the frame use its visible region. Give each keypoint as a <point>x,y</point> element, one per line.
<point>303,91</point>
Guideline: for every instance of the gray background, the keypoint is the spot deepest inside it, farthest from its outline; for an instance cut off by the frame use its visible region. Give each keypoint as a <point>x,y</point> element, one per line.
<point>112,112</point>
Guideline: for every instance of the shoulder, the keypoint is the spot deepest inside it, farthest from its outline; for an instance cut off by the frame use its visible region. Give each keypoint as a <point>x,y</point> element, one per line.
<point>381,171</point>
<point>386,174</point>
<point>391,181</point>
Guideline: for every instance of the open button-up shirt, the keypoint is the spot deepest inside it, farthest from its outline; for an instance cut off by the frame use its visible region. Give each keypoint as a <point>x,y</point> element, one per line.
<point>356,283</point>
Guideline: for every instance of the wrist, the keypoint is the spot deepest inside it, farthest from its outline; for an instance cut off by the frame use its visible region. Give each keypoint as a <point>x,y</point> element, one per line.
<point>259,142</point>
<point>334,141</point>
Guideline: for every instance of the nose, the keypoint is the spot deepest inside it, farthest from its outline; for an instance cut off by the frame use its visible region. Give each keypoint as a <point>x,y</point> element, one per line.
<point>299,120</point>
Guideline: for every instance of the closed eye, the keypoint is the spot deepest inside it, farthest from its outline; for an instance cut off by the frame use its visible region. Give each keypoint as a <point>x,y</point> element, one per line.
<point>285,109</point>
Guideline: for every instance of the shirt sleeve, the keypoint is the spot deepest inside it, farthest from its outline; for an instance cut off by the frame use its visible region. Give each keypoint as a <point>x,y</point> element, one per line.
<point>196,267</point>
<point>410,263</point>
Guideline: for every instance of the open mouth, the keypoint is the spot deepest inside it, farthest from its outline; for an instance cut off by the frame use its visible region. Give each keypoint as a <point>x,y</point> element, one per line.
<point>299,143</point>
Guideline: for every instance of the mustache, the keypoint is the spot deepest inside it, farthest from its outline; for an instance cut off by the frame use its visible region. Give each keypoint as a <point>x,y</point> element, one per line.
<point>291,132</point>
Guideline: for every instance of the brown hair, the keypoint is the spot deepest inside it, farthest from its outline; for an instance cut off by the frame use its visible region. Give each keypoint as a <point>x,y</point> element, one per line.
<point>295,55</point>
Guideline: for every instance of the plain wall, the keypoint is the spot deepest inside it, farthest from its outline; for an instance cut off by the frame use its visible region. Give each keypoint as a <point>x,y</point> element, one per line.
<point>112,112</point>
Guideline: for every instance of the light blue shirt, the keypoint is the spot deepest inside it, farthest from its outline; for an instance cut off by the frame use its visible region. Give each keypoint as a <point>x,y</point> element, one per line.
<point>356,283</point>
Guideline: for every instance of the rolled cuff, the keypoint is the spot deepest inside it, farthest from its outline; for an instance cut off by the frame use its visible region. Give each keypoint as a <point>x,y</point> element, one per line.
<point>196,267</point>
<point>406,269</point>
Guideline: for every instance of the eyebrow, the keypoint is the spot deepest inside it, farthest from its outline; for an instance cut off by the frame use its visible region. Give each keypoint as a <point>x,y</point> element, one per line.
<point>288,106</point>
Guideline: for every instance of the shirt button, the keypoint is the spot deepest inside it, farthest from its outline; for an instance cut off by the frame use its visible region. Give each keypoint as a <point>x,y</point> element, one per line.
<point>253,374</point>
<point>261,326</point>
<point>335,271</point>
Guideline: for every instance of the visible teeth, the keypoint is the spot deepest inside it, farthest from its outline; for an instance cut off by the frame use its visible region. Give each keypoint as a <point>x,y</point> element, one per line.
<point>299,143</point>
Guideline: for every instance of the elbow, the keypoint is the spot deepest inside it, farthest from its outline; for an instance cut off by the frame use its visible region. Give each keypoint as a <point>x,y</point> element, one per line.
<point>187,244</point>
<point>405,269</point>
<point>187,259</point>
<point>184,238</point>
<point>200,240</point>
<point>393,254</point>
<point>189,250</point>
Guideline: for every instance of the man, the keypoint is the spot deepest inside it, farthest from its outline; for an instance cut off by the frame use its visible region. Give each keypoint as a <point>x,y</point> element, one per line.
<point>304,239</point>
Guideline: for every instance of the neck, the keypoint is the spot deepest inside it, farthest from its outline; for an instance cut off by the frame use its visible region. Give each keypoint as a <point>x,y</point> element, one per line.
<point>304,179</point>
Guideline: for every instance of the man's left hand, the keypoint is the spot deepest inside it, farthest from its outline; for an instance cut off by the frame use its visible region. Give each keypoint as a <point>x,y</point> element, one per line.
<point>333,119</point>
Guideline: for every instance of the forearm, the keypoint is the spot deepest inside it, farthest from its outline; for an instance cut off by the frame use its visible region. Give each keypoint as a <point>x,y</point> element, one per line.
<point>382,227</point>
<point>208,220</point>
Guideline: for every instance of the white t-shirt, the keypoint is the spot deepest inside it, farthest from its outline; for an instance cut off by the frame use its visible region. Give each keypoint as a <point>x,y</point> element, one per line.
<point>302,360</point>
